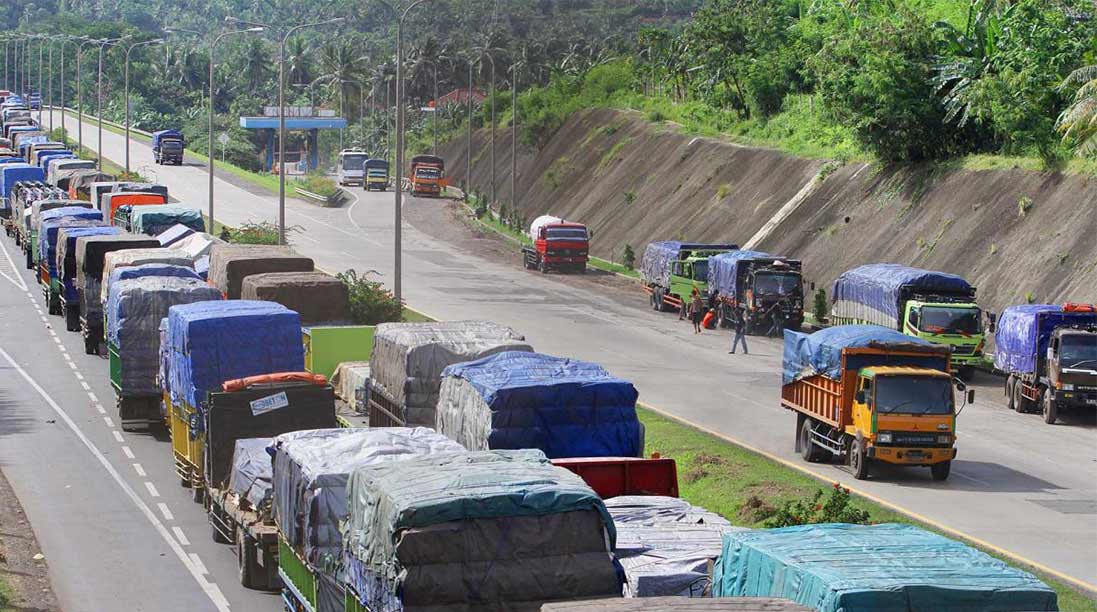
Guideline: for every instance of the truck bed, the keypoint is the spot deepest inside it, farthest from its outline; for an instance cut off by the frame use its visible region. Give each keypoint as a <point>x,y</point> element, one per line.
<point>819,397</point>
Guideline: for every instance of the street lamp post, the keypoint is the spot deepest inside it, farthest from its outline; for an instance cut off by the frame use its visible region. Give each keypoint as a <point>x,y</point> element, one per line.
<point>64,40</point>
<point>80,95</point>
<point>468,139</point>
<point>41,101</point>
<point>491,94</point>
<point>49,80</point>
<point>154,41</point>
<point>99,99</point>
<point>514,137</point>
<point>212,48</point>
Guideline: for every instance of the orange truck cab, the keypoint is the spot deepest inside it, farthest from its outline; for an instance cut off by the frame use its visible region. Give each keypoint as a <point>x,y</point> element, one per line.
<point>865,394</point>
<point>428,175</point>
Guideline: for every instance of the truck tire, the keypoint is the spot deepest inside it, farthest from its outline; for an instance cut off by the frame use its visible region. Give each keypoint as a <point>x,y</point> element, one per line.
<point>1010,383</point>
<point>249,562</point>
<point>1020,404</point>
<point>91,346</point>
<point>1049,407</point>
<point>30,260</point>
<point>858,462</point>
<point>940,471</point>
<point>808,450</point>
<point>215,533</point>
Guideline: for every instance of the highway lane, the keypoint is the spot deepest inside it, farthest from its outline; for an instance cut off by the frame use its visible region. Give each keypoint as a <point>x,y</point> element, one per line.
<point>1018,484</point>
<point>117,530</point>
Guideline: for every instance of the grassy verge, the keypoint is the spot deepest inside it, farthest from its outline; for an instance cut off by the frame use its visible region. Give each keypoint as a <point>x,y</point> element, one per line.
<point>5,597</point>
<point>742,485</point>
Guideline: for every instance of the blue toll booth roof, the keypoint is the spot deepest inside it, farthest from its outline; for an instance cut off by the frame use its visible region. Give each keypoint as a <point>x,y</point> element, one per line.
<point>294,123</point>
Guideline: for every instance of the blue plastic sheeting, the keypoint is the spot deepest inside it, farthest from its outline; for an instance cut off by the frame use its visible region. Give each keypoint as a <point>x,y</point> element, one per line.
<point>153,220</point>
<point>821,352</point>
<point>564,407</point>
<point>1023,333</point>
<point>883,286</point>
<point>872,568</point>
<point>173,234</point>
<point>162,134</point>
<point>212,342</point>
<point>152,269</point>
<point>47,235</point>
<point>723,270</point>
<point>11,174</point>
<point>655,264</point>
<point>71,234</point>
<point>79,212</point>
<point>45,156</point>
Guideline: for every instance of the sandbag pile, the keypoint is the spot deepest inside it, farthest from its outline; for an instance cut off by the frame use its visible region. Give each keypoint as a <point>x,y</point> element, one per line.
<point>230,264</point>
<point>134,310</point>
<point>666,545</point>
<point>408,359</point>
<point>516,399</point>
<point>475,530</point>
<point>320,298</point>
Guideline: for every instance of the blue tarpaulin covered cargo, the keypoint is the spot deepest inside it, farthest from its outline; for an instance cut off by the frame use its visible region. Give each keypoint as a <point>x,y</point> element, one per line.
<point>10,174</point>
<point>212,342</point>
<point>873,568</point>
<point>821,352</point>
<point>517,399</point>
<point>157,137</point>
<point>45,156</point>
<point>882,287</point>
<point>655,264</point>
<point>1023,332</point>
<point>47,233</point>
<point>152,269</point>
<point>723,270</point>
<point>152,220</point>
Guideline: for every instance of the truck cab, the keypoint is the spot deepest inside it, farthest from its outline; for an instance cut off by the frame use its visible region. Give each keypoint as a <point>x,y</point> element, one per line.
<point>1071,366</point>
<point>376,175</point>
<point>560,245</point>
<point>689,272</point>
<point>958,325</point>
<point>771,290</point>
<point>428,175</point>
<point>903,415</point>
<point>167,147</point>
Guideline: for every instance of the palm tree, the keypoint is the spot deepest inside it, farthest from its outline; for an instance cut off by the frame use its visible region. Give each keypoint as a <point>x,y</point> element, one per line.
<point>340,69</point>
<point>1078,123</point>
<point>256,62</point>
<point>298,62</point>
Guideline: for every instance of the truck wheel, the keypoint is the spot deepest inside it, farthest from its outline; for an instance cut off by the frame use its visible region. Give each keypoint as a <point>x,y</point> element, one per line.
<point>1010,383</point>
<point>198,494</point>
<point>1050,408</point>
<point>940,471</point>
<point>215,533</point>
<point>1020,404</point>
<point>249,563</point>
<point>858,462</point>
<point>91,346</point>
<point>808,450</point>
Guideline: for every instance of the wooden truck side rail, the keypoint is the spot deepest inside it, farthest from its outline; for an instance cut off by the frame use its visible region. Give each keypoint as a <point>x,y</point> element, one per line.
<point>816,396</point>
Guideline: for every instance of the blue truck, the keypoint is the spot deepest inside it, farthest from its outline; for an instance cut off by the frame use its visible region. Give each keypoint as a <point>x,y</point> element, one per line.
<point>167,147</point>
<point>1049,352</point>
<point>769,289</point>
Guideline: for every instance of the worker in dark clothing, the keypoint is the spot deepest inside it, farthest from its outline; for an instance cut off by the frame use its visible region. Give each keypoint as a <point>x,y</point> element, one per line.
<point>739,324</point>
<point>777,322</point>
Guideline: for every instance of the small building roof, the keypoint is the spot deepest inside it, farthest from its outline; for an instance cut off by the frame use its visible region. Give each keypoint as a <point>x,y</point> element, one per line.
<point>294,123</point>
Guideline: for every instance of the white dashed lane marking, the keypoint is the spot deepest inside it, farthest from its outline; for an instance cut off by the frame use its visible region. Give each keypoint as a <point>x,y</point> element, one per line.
<point>165,511</point>
<point>110,423</point>
<point>127,452</point>
<point>152,489</point>
<point>140,470</point>
<point>179,535</point>
<point>118,436</point>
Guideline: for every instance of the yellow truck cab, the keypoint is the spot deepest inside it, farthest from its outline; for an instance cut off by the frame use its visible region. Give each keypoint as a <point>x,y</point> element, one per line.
<point>865,394</point>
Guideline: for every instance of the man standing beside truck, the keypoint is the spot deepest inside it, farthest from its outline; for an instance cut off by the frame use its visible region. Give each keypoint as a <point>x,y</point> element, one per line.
<point>739,324</point>
<point>670,271</point>
<point>768,288</point>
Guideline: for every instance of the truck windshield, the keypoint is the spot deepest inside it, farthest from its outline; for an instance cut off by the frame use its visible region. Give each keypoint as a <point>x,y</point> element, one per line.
<point>427,173</point>
<point>566,233</point>
<point>1078,350</point>
<point>700,270</point>
<point>950,320</point>
<point>354,162</point>
<point>780,283</point>
<point>913,395</point>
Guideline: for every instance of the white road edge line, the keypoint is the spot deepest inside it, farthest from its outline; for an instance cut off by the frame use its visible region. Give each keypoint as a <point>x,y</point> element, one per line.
<point>212,591</point>
<point>198,563</point>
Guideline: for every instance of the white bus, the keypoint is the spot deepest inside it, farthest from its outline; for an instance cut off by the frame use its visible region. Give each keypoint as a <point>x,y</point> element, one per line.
<point>352,166</point>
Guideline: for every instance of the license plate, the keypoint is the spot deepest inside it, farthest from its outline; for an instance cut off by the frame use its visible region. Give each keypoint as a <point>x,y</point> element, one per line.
<point>1092,402</point>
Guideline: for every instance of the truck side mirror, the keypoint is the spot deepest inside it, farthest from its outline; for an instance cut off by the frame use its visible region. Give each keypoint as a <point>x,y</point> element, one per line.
<point>1050,354</point>
<point>971,396</point>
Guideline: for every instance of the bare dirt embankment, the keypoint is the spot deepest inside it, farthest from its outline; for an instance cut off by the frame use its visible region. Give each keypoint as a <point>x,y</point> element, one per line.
<point>1017,235</point>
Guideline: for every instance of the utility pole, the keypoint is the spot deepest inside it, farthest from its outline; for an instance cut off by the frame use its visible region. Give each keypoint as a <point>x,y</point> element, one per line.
<point>514,136</point>
<point>468,137</point>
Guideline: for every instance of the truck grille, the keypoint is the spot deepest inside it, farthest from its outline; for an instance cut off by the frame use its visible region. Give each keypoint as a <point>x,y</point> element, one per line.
<point>915,439</point>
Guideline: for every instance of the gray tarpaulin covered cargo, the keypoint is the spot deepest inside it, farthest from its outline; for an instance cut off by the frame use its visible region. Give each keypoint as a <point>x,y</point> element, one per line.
<point>351,382</point>
<point>137,257</point>
<point>196,245</point>
<point>408,359</point>
<point>251,472</point>
<point>678,604</point>
<point>230,264</point>
<point>134,310</point>
<point>666,545</point>
<point>91,252</point>
<point>318,297</point>
<point>311,469</point>
<point>494,530</point>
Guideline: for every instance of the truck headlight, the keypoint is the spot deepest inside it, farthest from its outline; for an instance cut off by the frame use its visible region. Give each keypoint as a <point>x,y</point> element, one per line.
<point>944,439</point>
<point>883,438</point>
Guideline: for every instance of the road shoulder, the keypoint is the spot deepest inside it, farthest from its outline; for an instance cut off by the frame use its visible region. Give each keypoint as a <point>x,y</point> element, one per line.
<point>24,572</point>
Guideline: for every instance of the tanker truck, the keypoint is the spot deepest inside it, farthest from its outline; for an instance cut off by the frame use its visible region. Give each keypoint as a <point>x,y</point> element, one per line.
<point>556,245</point>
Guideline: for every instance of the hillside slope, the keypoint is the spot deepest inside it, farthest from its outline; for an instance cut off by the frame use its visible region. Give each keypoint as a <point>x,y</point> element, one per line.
<point>1016,235</point>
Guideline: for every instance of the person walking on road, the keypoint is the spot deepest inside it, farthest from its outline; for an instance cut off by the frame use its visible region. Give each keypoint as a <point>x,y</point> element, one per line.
<point>696,310</point>
<point>739,324</point>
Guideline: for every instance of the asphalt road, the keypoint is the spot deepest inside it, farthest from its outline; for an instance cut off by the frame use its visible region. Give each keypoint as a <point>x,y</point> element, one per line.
<point>1019,485</point>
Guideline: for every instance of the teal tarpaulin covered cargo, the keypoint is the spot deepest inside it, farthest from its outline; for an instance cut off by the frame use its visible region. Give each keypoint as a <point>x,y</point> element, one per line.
<point>873,568</point>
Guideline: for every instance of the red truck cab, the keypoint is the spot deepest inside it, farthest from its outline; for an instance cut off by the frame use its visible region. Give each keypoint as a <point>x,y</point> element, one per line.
<point>557,245</point>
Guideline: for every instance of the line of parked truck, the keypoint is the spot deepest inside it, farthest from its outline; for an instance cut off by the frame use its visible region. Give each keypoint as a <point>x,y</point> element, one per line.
<point>440,465</point>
